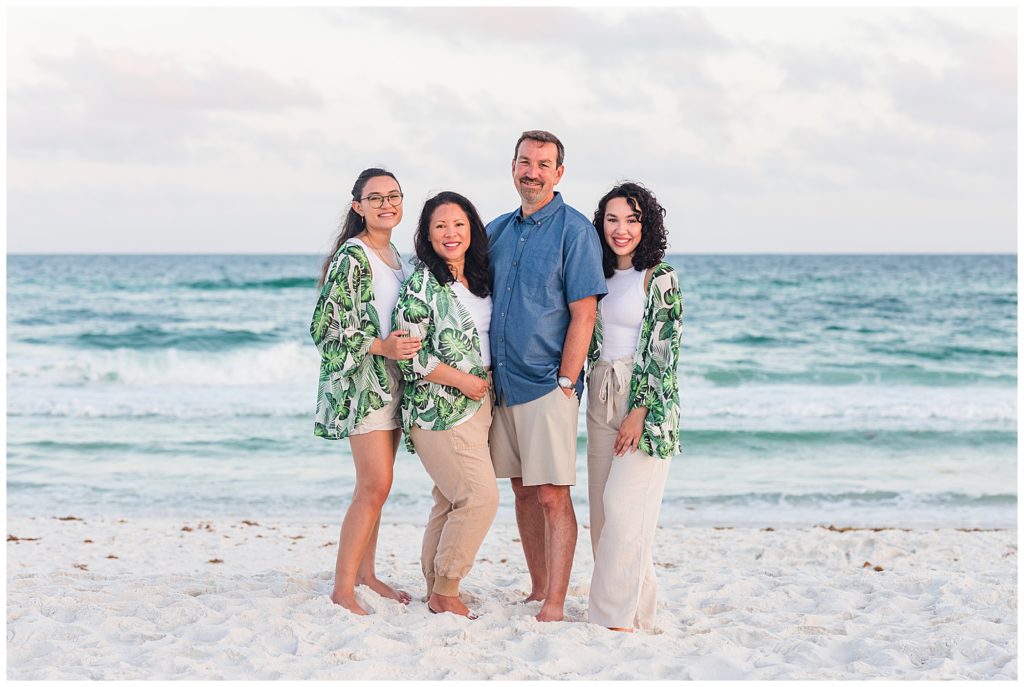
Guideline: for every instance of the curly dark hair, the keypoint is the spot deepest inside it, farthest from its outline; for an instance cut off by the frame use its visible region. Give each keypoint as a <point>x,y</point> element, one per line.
<point>653,236</point>
<point>478,267</point>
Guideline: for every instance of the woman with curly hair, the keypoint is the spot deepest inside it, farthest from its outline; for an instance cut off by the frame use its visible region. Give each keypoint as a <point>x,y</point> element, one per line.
<point>360,385</point>
<point>446,410</point>
<point>632,405</point>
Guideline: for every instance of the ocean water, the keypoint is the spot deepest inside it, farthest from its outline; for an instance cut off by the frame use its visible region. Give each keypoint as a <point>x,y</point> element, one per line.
<point>846,390</point>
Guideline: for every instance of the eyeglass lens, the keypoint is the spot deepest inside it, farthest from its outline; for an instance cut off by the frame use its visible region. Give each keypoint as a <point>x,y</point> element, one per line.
<point>377,201</point>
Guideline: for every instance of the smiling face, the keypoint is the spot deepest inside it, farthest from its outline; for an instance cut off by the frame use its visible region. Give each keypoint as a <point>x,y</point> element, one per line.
<point>386,217</point>
<point>535,172</point>
<point>449,232</point>
<point>622,229</point>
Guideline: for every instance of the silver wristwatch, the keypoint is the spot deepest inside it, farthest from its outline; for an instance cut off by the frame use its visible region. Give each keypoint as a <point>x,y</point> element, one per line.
<point>565,383</point>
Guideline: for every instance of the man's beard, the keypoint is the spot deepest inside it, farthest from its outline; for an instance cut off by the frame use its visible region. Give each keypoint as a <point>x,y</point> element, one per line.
<point>530,193</point>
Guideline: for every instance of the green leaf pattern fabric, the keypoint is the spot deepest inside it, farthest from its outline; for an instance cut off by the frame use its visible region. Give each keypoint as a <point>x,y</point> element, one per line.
<point>344,325</point>
<point>654,382</point>
<point>431,311</point>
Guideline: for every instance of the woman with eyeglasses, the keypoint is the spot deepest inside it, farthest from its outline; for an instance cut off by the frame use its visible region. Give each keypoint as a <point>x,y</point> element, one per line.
<point>446,410</point>
<point>632,405</point>
<point>360,388</point>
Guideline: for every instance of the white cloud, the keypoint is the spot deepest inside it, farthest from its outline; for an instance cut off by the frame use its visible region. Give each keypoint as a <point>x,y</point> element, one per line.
<point>195,122</point>
<point>118,104</point>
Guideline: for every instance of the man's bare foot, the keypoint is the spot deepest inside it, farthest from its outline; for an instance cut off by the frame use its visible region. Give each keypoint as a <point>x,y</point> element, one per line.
<point>349,603</point>
<point>621,629</point>
<point>550,613</point>
<point>385,590</point>
<point>438,603</point>
<point>535,596</point>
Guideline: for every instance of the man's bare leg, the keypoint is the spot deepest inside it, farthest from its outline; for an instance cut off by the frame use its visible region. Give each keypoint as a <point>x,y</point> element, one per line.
<point>560,532</point>
<point>530,519</point>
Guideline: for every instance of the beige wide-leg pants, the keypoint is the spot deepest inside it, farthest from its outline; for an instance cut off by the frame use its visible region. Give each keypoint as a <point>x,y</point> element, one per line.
<point>465,498</point>
<point>625,498</point>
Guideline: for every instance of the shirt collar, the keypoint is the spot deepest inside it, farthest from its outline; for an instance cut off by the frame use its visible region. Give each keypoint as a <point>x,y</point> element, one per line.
<point>553,206</point>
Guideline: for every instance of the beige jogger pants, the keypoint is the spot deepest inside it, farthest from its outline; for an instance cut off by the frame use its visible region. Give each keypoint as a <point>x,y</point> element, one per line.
<point>625,498</point>
<point>465,498</point>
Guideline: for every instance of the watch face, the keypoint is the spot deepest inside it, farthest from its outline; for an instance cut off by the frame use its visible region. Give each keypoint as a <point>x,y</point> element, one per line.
<point>564,382</point>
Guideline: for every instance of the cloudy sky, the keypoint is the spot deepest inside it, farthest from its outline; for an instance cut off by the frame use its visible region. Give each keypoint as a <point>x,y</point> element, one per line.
<point>761,130</point>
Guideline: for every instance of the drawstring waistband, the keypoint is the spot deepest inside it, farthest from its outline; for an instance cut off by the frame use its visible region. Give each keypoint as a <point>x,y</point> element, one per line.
<point>618,375</point>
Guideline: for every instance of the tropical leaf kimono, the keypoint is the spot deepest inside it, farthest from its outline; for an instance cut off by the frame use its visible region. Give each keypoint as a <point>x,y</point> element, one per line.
<point>654,383</point>
<point>352,381</point>
<point>432,311</point>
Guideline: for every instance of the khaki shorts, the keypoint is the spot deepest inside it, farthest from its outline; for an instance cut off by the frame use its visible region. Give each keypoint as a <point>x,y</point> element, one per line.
<point>537,440</point>
<point>390,416</point>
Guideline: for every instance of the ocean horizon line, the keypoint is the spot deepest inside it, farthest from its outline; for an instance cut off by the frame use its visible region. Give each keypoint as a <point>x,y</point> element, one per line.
<point>668,254</point>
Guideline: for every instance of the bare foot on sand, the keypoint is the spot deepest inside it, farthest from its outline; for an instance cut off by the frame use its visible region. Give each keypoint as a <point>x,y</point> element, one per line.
<point>621,629</point>
<point>438,603</point>
<point>550,614</point>
<point>535,596</point>
<point>348,602</point>
<point>385,590</point>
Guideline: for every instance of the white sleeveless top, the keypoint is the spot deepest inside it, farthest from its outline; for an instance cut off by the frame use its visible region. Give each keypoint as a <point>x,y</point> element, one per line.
<point>386,283</point>
<point>622,312</point>
<point>480,309</point>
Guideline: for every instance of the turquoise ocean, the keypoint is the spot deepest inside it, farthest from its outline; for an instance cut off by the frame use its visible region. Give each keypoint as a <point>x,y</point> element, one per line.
<point>845,390</point>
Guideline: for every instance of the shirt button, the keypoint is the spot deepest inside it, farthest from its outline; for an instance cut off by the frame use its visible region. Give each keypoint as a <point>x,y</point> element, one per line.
<point>501,364</point>
<point>509,288</point>
<point>514,263</point>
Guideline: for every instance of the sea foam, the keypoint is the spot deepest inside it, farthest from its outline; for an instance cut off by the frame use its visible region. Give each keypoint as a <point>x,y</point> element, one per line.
<point>281,363</point>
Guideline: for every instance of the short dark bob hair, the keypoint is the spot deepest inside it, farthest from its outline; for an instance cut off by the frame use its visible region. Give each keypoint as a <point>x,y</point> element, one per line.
<point>653,236</point>
<point>478,268</point>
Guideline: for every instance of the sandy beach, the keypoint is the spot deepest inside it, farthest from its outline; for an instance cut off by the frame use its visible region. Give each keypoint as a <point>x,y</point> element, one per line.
<point>232,599</point>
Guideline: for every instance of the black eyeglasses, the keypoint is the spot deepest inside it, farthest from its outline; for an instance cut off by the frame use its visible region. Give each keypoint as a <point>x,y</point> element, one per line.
<point>376,200</point>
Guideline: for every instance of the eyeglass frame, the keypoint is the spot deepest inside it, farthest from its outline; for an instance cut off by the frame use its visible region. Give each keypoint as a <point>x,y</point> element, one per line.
<point>382,197</point>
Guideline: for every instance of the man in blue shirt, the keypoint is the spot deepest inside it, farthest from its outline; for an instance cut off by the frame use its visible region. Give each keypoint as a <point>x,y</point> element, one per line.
<point>546,261</point>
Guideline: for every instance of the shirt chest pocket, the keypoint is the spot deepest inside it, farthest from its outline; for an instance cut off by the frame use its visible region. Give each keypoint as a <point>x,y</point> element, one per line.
<point>541,270</point>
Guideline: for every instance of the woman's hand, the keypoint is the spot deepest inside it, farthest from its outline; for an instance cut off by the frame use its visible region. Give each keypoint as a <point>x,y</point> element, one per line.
<point>474,387</point>
<point>398,345</point>
<point>629,431</point>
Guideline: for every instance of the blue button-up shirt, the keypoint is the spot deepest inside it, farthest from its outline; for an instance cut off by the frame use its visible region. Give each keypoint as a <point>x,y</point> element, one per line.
<point>540,263</point>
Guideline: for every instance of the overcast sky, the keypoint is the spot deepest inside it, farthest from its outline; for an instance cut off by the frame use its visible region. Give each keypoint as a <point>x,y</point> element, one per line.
<point>760,130</point>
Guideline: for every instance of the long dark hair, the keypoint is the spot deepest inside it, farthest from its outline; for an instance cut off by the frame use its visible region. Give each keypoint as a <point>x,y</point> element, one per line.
<point>653,236</point>
<point>478,267</point>
<point>354,222</point>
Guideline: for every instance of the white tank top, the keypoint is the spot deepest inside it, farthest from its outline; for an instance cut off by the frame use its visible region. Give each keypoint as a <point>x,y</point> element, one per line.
<point>480,309</point>
<point>386,282</point>
<point>622,312</point>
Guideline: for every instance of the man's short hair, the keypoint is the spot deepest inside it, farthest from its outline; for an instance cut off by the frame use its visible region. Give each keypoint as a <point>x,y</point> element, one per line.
<point>541,137</point>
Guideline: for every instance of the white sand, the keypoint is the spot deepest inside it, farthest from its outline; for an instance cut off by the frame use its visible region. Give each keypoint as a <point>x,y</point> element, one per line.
<point>733,604</point>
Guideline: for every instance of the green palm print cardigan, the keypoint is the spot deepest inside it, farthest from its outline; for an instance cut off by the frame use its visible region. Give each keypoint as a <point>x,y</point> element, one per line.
<point>431,311</point>
<point>654,383</point>
<point>352,381</point>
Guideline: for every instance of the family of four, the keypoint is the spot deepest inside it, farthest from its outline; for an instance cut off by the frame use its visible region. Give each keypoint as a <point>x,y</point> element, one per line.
<point>479,356</point>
